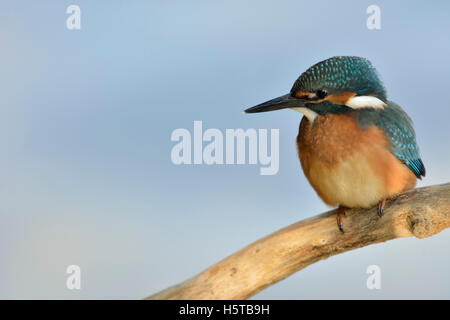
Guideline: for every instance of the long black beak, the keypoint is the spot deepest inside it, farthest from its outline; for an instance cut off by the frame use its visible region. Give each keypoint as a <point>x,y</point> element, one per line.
<point>286,101</point>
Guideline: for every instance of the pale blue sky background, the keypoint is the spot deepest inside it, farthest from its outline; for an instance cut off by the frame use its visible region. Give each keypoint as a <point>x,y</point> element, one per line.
<point>85,124</point>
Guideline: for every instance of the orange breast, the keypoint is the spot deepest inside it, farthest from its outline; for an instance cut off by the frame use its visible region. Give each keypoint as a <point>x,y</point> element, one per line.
<point>349,166</point>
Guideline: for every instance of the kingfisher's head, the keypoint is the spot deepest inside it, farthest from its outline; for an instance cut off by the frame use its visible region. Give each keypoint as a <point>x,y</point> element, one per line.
<point>336,85</point>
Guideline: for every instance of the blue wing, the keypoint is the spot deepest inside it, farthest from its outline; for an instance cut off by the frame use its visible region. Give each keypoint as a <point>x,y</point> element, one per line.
<point>399,128</point>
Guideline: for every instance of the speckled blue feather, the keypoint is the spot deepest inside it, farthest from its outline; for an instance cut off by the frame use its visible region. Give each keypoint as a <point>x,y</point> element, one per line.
<point>339,74</point>
<point>397,125</point>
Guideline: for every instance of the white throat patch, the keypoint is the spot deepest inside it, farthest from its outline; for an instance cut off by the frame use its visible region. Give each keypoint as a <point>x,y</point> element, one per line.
<point>308,113</point>
<point>359,102</point>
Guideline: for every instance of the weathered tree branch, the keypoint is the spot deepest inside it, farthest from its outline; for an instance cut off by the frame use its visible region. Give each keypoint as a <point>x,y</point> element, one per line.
<point>421,213</point>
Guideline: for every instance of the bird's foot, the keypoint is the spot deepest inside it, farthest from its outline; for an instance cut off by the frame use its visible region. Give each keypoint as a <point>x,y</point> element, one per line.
<point>381,205</point>
<point>340,218</point>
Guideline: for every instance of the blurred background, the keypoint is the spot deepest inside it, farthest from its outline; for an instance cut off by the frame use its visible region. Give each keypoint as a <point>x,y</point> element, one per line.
<point>85,123</point>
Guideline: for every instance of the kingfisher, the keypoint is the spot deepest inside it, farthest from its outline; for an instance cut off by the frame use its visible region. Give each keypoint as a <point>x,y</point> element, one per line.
<point>356,147</point>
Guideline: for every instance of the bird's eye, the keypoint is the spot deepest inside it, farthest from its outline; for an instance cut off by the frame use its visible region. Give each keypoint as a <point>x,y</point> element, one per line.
<point>321,93</point>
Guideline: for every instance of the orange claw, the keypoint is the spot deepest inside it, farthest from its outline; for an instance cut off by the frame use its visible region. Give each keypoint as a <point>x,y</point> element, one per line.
<point>340,218</point>
<point>381,205</point>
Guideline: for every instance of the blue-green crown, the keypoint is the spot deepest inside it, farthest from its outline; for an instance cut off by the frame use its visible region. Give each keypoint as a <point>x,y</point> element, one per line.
<point>338,74</point>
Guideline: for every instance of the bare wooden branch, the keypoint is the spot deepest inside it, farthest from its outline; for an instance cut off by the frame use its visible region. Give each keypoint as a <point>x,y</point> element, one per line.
<point>421,213</point>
